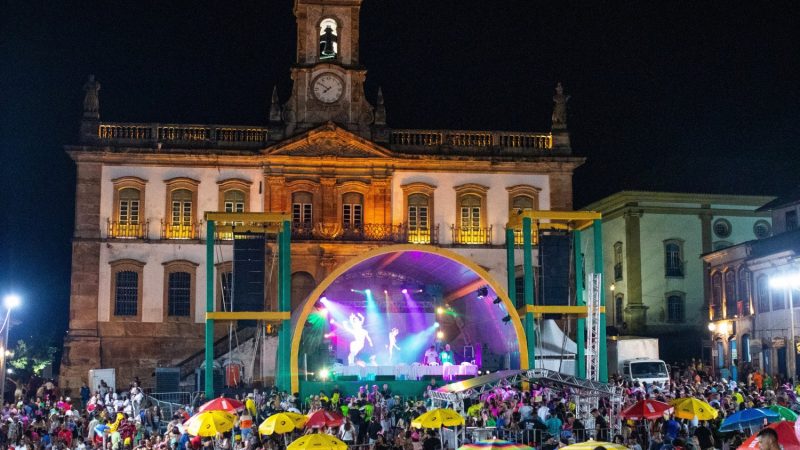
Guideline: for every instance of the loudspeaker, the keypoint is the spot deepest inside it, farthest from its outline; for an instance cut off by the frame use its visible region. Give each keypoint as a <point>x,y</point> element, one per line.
<point>248,273</point>
<point>384,377</point>
<point>347,378</point>
<point>168,379</point>
<point>555,251</point>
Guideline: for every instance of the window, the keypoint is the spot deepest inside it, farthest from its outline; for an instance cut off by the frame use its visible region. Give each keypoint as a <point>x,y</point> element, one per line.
<point>328,39</point>
<point>716,296</point>
<point>470,207</point>
<point>675,307</point>
<point>791,220</point>
<point>179,289</point>
<point>234,201</point>
<point>181,209</point>
<point>224,285</point>
<point>126,288</point>
<point>234,195</point>
<point>352,211</point>
<point>619,310</point>
<point>418,212</point>
<point>762,229</point>
<point>763,294</point>
<point>470,227</point>
<point>618,261</point>
<point>302,209</point>
<point>722,228</point>
<point>778,299</point>
<point>744,291</point>
<point>522,203</point>
<point>673,253</point>
<point>731,309</point>
<point>128,221</point>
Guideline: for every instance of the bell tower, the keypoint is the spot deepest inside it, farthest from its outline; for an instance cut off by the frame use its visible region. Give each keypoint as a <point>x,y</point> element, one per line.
<point>328,82</point>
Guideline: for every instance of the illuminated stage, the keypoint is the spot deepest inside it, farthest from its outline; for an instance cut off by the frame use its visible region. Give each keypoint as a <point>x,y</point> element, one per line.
<point>377,320</point>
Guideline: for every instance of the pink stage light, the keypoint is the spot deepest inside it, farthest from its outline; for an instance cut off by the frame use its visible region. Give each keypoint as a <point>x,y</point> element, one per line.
<point>404,291</point>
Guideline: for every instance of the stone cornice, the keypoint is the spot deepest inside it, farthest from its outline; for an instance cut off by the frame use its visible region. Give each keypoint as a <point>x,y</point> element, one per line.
<point>622,199</point>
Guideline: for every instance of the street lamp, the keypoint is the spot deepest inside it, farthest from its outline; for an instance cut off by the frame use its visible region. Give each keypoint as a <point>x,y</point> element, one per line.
<point>789,281</point>
<point>10,301</point>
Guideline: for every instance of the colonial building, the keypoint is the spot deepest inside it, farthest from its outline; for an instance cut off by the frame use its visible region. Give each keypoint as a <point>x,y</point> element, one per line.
<point>653,276</point>
<point>326,156</point>
<point>753,286</point>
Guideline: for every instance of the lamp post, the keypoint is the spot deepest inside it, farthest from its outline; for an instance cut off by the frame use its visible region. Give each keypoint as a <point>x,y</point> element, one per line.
<point>789,281</point>
<point>712,327</point>
<point>10,301</point>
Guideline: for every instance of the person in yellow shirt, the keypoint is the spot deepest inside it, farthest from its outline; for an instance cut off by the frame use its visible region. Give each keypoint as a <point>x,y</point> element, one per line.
<point>250,405</point>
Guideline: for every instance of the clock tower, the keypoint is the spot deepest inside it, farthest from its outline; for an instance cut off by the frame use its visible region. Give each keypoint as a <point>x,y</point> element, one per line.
<point>328,82</point>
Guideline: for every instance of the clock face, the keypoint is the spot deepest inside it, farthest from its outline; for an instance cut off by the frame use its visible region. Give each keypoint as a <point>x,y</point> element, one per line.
<point>328,88</point>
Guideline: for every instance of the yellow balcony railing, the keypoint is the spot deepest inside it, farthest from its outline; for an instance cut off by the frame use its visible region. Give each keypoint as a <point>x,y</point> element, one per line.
<point>180,231</point>
<point>471,235</point>
<point>118,230</point>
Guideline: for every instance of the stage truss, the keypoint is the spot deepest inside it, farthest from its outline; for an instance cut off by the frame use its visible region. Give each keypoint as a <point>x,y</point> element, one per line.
<point>585,392</point>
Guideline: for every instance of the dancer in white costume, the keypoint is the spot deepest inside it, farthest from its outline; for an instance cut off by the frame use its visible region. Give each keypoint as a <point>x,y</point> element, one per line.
<point>356,328</point>
<point>393,342</point>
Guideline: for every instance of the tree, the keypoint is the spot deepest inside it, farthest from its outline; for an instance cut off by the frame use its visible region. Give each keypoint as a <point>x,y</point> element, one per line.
<point>28,360</point>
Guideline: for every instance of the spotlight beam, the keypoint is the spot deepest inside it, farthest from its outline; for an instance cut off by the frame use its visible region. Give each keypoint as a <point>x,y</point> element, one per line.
<point>463,291</point>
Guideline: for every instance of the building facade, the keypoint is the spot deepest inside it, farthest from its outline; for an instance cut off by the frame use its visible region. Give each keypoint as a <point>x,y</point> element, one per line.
<point>326,156</point>
<point>752,322</point>
<point>654,278</point>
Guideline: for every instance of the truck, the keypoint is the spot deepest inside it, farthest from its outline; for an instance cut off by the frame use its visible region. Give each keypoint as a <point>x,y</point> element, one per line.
<point>637,359</point>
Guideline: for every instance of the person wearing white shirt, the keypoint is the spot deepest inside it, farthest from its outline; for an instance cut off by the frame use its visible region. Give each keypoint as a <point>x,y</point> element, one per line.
<point>431,357</point>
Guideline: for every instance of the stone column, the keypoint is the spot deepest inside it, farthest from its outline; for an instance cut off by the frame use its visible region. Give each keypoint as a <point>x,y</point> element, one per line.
<point>635,311</point>
<point>276,194</point>
<point>561,191</point>
<point>82,345</point>
<point>329,202</point>
<point>706,243</point>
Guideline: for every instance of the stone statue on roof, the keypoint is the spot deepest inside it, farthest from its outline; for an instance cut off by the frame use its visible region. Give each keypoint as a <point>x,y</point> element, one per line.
<point>91,101</point>
<point>560,107</point>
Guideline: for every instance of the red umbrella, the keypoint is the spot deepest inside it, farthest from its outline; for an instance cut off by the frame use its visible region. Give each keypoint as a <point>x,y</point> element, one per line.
<point>787,438</point>
<point>645,409</point>
<point>322,418</point>
<point>222,404</point>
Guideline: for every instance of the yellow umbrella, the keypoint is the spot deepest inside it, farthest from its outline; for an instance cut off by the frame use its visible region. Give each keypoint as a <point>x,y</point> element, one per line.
<point>209,423</point>
<point>280,423</point>
<point>592,444</point>
<point>436,418</point>
<point>317,441</point>
<point>690,408</point>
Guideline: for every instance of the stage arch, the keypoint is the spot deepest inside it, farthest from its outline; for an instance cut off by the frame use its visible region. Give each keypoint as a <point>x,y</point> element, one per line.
<point>390,254</point>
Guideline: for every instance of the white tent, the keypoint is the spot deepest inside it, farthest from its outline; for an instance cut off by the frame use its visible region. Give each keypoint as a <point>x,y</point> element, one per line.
<point>554,349</point>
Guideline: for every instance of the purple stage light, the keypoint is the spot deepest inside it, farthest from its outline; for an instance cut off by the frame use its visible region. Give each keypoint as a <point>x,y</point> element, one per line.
<point>404,291</point>
<point>324,300</point>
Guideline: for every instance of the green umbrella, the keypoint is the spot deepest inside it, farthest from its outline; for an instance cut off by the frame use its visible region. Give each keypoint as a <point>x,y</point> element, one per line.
<point>786,413</point>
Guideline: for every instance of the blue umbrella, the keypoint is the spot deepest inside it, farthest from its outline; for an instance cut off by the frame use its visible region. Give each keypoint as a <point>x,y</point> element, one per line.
<point>747,418</point>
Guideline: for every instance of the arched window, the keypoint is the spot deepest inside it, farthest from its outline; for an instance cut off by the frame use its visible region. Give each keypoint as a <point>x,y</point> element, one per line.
<point>302,285</point>
<point>763,294</point>
<point>234,201</point>
<point>743,277</point>
<point>470,207</point>
<point>617,261</point>
<point>179,294</point>
<point>302,208</point>
<point>418,207</point>
<point>675,307</point>
<point>619,310</point>
<point>352,211</point>
<point>328,39</point>
<point>778,298</point>
<point>730,294</point>
<point>181,207</point>
<point>522,203</point>
<point>129,206</point>
<point>126,288</point>
<point>673,253</point>
<point>716,295</point>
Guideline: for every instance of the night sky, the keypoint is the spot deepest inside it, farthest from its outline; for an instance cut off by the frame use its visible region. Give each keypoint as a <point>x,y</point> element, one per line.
<point>678,96</point>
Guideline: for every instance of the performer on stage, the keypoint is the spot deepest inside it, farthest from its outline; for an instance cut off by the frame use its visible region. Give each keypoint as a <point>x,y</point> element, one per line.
<point>447,356</point>
<point>356,328</point>
<point>393,342</point>
<point>431,357</point>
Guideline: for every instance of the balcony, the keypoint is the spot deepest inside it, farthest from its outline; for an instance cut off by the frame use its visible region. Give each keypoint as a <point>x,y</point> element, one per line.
<point>364,233</point>
<point>471,236</point>
<point>117,230</point>
<point>180,231</point>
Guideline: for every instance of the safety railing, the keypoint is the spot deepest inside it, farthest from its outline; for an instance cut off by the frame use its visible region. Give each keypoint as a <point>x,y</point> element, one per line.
<point>464,139</point>
<point>155,133</point>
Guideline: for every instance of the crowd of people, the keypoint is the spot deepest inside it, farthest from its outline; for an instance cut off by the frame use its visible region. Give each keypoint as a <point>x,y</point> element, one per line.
<point>376,418</point>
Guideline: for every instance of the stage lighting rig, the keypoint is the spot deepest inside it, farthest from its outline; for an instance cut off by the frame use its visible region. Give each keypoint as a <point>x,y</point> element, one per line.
<point>507,318</point>
<point>497,300</point>
<point>482,292</point>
